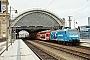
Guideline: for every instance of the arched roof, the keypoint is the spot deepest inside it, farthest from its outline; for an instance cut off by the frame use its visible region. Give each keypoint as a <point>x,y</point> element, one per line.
<point>38,18</point>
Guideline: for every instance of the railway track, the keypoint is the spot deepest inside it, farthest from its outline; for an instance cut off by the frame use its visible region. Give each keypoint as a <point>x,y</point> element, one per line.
<point>78,46</point>
<point>82,47</point>
<point>79,52</point>
<point>42,54</point>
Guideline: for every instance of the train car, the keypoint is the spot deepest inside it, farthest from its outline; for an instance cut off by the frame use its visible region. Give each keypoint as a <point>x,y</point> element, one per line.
<point>38,35</point>
<point>66,36</point>
<point>44,35</point>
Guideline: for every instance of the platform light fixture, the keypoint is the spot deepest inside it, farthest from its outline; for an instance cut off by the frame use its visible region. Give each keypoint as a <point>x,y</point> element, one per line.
<point>11,9</point>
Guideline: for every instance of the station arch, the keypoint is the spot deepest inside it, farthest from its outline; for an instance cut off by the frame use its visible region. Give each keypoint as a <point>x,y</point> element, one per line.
<point>38,18</point>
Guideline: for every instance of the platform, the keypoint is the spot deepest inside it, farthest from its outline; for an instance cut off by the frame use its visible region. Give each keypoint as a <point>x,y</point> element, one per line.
<point>18,51</point>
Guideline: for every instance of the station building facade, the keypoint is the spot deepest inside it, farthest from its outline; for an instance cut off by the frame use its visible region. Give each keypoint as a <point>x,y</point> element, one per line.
<point>84,31</point>
<point>4,17</point>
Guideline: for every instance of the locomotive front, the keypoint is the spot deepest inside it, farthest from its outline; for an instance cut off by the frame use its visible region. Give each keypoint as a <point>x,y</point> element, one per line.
<point>73,36</point>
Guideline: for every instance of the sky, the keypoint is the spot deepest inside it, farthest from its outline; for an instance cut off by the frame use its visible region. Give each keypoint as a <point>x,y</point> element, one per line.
<point>78,9</point>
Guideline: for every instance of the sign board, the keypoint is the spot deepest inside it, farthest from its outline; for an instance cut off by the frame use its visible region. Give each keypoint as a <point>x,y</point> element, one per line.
<point>9,37</point>
<point>0,6</point>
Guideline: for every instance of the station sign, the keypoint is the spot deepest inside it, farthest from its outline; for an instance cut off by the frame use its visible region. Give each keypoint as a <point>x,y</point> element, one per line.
<point>0,5</point>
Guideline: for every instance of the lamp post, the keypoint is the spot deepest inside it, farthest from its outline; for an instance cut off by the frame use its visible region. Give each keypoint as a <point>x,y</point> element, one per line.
<point>6,26</point>
<point>12,10</point>
<point>10,23</point>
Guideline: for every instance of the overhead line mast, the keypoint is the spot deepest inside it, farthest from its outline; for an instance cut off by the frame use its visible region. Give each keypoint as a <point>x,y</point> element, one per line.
<point>70,21</point>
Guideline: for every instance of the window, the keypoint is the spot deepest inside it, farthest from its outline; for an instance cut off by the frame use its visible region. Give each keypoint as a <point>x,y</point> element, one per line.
<point>73,31</point>
<point>65,32</point>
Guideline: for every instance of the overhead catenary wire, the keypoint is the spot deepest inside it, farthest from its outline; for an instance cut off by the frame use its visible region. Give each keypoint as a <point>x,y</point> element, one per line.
<point>76,8</point>
<point>49,4</point>
<point>44,3</point>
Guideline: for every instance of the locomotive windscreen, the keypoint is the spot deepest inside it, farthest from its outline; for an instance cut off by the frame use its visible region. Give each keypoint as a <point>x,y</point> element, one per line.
<point>73,31</point>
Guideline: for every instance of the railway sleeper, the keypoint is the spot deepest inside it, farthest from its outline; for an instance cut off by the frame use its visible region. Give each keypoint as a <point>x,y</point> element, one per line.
<point>76,53</point>
<point>49,53</point>
<point>82,55</point>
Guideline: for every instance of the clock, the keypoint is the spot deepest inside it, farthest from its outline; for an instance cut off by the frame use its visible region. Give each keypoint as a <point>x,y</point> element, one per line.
<point>3,8</point>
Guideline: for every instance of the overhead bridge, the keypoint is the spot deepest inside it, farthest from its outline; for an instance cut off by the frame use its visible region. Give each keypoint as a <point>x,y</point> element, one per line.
<point>36,27</point>
<point>32,30</point>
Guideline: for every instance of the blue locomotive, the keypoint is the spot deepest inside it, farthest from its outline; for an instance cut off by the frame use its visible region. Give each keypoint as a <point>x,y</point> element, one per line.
<point>66,36</point>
